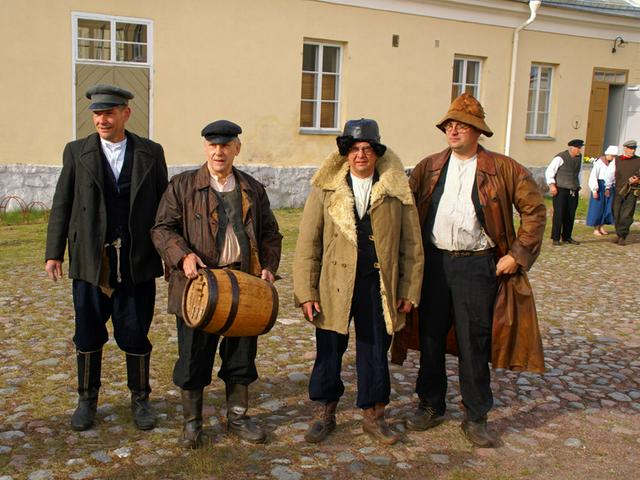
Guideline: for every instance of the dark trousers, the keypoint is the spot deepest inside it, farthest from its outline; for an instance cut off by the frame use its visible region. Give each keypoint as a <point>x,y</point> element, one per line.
<point>196,353</point>
<point>462,290</point>
<point>130,308</point>
<point>564,213</point>
<point>372,345</point>
<point>623,210</point>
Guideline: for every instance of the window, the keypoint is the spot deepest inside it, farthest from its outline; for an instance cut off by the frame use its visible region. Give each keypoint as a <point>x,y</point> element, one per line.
<point>320,96</point>
<point>466,77</point>
<point>539,100</point>
<point>111,40</point>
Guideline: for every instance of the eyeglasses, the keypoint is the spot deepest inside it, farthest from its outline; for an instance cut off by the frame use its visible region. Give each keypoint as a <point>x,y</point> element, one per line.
<point>460,127</point>
<point>366,151</point>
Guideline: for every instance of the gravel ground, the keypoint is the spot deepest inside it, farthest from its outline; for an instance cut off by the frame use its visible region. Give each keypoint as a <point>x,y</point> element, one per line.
<point>581,419</point>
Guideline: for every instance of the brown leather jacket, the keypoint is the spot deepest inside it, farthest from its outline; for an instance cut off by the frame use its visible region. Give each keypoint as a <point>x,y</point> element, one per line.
<point>502,185</point>
<point>187,221</point>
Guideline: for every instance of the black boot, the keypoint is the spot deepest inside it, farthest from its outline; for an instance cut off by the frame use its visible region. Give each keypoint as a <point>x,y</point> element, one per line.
<point>138,383</point>
<point>192,418</point>
<point>89,368</point>
<point>238,422</point>
<point>477,433</point>
<point>325,424</point>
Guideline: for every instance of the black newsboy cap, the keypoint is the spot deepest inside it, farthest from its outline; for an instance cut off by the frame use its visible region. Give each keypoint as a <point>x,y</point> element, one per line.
<point>104,96</point>
<point>221,131</point>
<point>576,143</point>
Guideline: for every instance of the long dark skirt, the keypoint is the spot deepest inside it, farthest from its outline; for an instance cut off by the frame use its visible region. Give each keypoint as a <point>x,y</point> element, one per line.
<point>599,212</point>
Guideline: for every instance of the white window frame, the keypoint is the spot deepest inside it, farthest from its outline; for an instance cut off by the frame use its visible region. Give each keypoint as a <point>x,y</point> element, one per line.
<point>536,109</point>
<point>113,19</point>
<point>318,90</point>
<point>463,86</point>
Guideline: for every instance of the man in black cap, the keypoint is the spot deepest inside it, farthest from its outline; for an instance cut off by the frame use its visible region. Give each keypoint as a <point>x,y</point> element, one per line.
<point>563,178</point>
<point>627,181</point>
<point>215,217</point>
<point>359,256</point>
<point>104,203</point>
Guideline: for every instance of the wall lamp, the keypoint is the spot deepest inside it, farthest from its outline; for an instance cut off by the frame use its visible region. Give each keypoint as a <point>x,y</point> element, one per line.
<point>618,42</point>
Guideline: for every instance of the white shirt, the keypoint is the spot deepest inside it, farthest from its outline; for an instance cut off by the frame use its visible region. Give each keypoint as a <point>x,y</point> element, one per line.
<point>598,172</point>
<point>361,193</point>
<point>115,155</point>
<point>456,226</point>
<point>231,252</point>
<point>552,169</point>
<point>610,177</point>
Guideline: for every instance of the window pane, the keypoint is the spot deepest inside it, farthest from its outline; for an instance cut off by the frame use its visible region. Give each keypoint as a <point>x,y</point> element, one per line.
<point>471,89</point>
<point>455,92</point>
<point>96,29</point>
<point>543,102</point>
<point>530,120</point>
<point>94,50</point>
<point>531,105</point>
<point>327,115</point>
<point>309,86</point>
<point>545,79</point>
<point>330,59</point>
<point>541,127</point>
<point>457,70</point>
<point>473,69</point>
<point>307,112</point>
<point>533,77</point>
<point>329,87</point>
<point>309,56</point>
<point>131,52</point>
<point>131,32</point>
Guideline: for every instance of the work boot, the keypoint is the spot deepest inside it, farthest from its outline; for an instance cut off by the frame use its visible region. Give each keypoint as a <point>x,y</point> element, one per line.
<point>622,241</point>
<point>424,418</point>
<point>192,418</point>
<point>89,370</point>
<point>138,383</point>
<point>376,427</point>
<point>324,425</point>
<point>238,422</point>
<point>477,433</point>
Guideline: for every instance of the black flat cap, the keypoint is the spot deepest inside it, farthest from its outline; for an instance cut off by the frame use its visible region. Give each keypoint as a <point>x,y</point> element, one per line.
<point>221,131</point>
<point>576,143</point>
<point>104,96</point>
<point>630,144</point>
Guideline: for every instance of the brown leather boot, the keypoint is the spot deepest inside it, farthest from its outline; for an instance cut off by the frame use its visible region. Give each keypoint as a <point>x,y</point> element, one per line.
<point>238,422</point>
<point>89,371</point>
<point>376,427</point>
<point>424,418</point>
<point>477,433</point>
<point>324,425</point>
<point>192,418</point>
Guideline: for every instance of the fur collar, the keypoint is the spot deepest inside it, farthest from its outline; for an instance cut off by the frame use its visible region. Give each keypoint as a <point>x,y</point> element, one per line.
<point>332,176</point>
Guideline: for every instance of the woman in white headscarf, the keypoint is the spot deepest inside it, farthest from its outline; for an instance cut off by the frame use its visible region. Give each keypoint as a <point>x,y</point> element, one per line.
<point>599,213</point>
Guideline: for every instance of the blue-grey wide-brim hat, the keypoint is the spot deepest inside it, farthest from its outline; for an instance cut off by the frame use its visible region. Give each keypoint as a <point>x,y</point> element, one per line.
<point>363,130</point>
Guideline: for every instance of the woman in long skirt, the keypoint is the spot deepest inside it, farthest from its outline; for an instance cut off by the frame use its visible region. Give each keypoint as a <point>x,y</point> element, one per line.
<point>599,213</point>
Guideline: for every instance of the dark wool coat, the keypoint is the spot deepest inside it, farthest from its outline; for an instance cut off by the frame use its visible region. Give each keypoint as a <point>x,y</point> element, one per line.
<point>187,221</point>
<point>502,184</point>
<point>79,214</point>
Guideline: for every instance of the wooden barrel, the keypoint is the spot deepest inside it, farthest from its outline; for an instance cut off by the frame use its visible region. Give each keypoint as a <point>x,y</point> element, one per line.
<point>230,303</point>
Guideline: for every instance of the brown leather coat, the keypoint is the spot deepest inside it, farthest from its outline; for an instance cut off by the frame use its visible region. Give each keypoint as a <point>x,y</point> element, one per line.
<point>502,184</point>
<point>187,221</point>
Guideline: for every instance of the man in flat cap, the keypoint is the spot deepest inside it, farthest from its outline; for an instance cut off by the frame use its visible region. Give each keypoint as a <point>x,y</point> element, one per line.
<point>475,269</point>
<point>103,207</point>
<point>626,177</point>
<point>215,217</point>
<point>359,257</point>
<point>563,177</point>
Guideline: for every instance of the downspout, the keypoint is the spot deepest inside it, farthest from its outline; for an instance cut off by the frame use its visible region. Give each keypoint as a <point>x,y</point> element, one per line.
<point>533,6</point>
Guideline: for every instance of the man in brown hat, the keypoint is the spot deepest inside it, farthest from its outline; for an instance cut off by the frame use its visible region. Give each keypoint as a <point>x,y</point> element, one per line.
<point>465,196</point>
<point>627,181</point>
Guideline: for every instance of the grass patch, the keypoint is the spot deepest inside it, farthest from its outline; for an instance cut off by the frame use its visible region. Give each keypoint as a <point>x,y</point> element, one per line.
<point>16,217</point>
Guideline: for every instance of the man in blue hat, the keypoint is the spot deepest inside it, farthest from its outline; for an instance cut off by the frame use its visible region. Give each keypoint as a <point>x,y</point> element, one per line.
<point>215,217</point>
<point>103,207</point>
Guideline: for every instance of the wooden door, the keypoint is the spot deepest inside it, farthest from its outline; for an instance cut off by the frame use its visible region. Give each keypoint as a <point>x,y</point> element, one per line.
<point>597,119</point>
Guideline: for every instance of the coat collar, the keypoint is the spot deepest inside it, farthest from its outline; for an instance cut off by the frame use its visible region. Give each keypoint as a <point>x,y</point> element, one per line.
<point>486,162</point>
<point>203,181</point>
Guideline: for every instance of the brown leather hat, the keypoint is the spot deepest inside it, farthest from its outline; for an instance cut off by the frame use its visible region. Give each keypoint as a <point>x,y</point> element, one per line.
<point>466,109</point>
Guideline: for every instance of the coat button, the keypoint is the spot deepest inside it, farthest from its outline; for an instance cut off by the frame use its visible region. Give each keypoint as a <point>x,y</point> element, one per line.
<point>376,265</point>
<point>371,237</point>
<point>344,265</point>
<point>333,262</point>
<point>198,216</point>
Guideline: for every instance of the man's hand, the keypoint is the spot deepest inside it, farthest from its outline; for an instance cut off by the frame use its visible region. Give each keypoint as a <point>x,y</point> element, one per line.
<point>595,195</point>
<point>54,269</point>
<point>404,305</point>
<point>634,180</point>
<point>506,265</point>
<point>607,193</point>
<point>553,189</point>
<point>267,275</point>
<point>190,265</point>
<point>310,310</point>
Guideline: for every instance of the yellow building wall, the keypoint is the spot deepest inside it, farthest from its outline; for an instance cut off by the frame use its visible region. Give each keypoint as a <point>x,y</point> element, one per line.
<point>241,60</point>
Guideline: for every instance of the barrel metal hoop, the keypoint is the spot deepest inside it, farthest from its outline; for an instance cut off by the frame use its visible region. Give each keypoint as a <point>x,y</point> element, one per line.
<point>212,301</point>
<point>274,310</point>
<point>235,299</point>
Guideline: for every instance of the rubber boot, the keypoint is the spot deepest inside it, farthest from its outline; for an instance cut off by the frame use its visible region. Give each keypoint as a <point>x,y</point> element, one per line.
<point>138,383</point>
<point>192,418</point>
<point>376,427</point>
<point>89,370</point>
<point>238,422</point>
<point>324,425</point>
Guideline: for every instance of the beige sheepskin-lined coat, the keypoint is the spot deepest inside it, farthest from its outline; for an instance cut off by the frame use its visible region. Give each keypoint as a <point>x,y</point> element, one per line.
<point>324,267</point>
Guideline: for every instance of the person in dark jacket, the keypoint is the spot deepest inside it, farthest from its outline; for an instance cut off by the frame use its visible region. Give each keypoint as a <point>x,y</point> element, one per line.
<point>215,217</point>
<point>626,174</point>
<point>103,208</point>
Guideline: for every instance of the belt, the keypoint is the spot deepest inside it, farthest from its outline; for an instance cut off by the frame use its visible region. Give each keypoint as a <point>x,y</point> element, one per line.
<point>468,253</point>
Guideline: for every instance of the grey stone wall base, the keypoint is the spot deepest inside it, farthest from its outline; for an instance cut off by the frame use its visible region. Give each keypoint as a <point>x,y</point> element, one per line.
<point>287,187</point>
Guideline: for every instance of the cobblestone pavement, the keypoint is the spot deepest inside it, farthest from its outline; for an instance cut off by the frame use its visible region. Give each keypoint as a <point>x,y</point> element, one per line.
<point>581,419</point>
